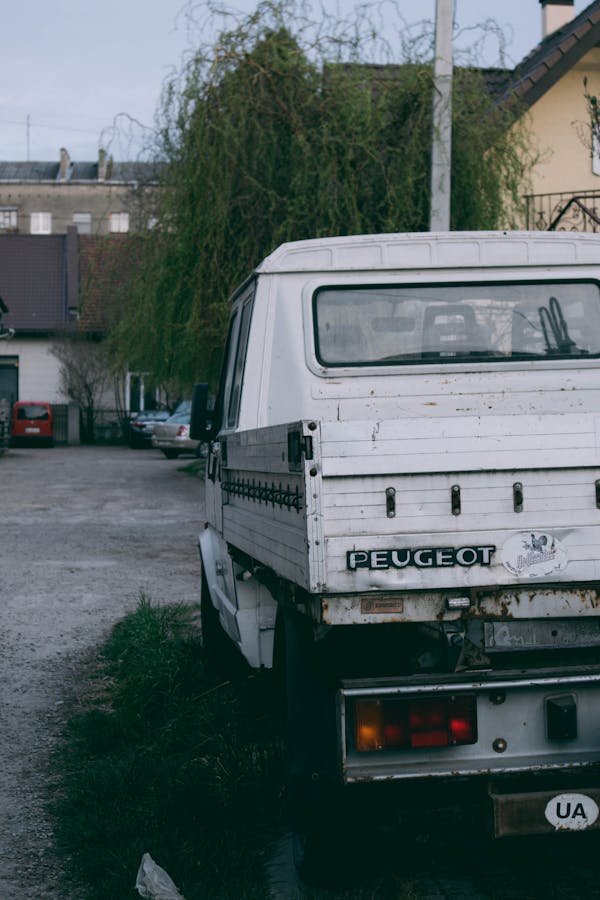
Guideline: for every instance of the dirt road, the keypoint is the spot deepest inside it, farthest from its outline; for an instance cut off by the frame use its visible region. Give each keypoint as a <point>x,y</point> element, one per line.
<point>83,532</point>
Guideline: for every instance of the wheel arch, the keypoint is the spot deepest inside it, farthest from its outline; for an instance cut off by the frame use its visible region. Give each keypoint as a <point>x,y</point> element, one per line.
<point>246,607</point>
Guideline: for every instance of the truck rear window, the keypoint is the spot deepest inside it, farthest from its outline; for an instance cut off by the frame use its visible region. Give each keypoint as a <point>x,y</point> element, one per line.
<point>387,324</point>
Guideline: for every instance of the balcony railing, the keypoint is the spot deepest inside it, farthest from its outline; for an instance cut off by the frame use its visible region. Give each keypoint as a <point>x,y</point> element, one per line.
<point>571,211</point>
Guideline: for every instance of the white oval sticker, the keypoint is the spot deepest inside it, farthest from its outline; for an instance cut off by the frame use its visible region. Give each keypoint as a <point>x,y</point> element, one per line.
<point>529,554</point>
<point>571,812</point>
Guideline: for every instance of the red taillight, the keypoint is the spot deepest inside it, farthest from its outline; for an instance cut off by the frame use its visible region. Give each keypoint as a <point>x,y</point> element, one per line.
<point>462,721</point>
<point>401,724</point>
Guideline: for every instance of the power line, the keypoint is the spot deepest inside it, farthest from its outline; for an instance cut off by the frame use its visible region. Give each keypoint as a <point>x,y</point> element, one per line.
<point>28,122</point>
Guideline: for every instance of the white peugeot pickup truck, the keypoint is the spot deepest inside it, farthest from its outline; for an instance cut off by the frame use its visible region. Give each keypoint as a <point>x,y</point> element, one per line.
<point>403,518</point>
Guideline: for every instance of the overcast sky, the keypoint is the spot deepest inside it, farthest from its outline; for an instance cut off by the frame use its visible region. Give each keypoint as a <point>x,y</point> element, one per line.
<point>70,67</point>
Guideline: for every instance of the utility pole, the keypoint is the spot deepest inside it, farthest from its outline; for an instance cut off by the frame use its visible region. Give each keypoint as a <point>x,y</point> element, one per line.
<point>441,147</point>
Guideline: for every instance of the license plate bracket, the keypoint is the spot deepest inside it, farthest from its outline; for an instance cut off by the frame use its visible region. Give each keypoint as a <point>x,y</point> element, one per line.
<point>546,812</point>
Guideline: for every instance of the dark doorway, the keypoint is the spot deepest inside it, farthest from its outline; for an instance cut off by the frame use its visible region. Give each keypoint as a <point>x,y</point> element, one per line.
<point>9,378</point>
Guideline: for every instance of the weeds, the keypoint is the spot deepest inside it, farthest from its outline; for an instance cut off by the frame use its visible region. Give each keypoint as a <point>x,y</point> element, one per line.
<point>165,760</point>
<point>195,467</point>
<point>159,757</point>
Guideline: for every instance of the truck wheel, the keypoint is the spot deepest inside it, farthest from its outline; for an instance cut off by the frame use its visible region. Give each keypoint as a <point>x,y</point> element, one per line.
<point>222,657</point>
<point>311,737</point>
<point>319,854</point>
<point>171,454</point>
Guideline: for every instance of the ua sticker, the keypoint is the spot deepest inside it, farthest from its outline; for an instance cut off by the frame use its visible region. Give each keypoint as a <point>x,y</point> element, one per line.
<point>571,812</point>
<point>533,553</point>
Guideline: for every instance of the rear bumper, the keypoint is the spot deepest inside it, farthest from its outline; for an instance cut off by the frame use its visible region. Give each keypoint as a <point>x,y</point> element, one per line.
<point>183,446</point>
<point>513,736</point>
<point>31,440</point>
<point>483,806</point>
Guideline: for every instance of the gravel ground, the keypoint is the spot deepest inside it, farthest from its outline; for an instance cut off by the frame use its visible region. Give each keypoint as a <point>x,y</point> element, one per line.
<point>84,531</point>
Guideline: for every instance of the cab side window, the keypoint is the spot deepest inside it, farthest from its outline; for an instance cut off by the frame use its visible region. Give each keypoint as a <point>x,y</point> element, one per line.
<point>240,362</point>
<point>237,346</point>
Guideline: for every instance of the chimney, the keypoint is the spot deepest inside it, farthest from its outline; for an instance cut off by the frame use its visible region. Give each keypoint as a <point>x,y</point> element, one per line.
<point>64,166</point>
<point>102,164</point>
<point>555,14</point>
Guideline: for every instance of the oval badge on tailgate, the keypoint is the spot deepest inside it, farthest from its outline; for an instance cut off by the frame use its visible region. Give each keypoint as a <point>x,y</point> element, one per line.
<point>533,553</point>
<point>571,812</point>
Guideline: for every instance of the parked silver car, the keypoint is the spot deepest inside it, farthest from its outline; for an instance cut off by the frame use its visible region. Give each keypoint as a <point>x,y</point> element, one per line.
<point>173,436</point>
<point>141,427</point>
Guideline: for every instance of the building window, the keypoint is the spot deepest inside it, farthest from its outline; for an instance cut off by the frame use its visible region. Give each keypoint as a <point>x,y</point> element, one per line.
<point>595,154</point>
<point>119,223</point>
<point>9,220</point>
<point>83,222</point>
<point>142,393</point>
<point>41,223</point>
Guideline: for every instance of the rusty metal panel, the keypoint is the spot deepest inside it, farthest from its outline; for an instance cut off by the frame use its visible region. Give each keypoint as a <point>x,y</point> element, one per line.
<point>551,603</point>
<point>540,634</point>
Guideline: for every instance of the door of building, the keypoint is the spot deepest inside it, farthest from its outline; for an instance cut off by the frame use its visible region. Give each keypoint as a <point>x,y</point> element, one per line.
<point>9,378</point>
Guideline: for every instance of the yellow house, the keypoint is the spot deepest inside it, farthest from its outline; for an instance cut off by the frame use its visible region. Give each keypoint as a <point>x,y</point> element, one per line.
<point>550,82</point>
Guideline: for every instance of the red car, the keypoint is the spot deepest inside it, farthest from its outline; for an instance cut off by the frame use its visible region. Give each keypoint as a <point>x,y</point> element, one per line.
<point>32,424</point>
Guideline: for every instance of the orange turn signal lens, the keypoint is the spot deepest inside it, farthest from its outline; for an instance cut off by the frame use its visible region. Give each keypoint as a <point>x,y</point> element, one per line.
<point>369,726</point>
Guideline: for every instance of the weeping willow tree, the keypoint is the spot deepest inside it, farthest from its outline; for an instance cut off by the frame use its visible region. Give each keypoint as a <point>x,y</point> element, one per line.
<point>279,132</point>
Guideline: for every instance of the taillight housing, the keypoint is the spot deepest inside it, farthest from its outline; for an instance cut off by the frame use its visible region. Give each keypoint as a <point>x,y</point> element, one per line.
<point>398,723</point>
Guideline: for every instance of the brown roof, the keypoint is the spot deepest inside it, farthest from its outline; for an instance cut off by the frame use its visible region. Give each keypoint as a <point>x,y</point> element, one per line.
<point>33,282</point>
<point>106,266</point>
<point>80,172</point>
<point>554,56</point>
<point>536,73</point>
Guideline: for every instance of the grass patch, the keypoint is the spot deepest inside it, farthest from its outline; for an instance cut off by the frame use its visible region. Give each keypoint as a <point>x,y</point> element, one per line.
<point>196,467</point>
<point>159,757</point>
<point>164,760</point>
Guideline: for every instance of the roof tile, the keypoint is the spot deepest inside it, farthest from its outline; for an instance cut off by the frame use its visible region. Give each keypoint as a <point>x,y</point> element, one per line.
<point>32,281</point>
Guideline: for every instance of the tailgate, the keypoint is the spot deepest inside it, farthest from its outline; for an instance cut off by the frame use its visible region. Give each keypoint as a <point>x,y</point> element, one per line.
<point>461,503</point>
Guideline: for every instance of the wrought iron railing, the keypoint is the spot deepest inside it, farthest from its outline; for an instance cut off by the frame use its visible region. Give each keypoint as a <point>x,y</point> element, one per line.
<point>569,211</point>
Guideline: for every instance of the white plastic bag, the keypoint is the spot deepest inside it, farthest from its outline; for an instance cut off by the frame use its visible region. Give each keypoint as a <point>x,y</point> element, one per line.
<point>153,882</point>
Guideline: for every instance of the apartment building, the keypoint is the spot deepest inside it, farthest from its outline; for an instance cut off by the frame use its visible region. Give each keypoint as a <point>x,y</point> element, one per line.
<point>97,198</point>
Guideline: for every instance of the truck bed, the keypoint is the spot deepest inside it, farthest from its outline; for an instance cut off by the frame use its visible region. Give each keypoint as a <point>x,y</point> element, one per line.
<point>324,505</point>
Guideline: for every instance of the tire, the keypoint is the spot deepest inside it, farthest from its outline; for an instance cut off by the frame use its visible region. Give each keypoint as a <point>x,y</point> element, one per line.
<point>171,454</point>
<point>314,798</point>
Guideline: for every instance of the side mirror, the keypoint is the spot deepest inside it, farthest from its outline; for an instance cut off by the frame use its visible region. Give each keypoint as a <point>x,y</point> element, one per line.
<point>202,416</point>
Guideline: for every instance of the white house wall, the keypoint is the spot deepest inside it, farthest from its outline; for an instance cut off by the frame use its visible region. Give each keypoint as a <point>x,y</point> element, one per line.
<point>561,123</point>
<point>38,377</point>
